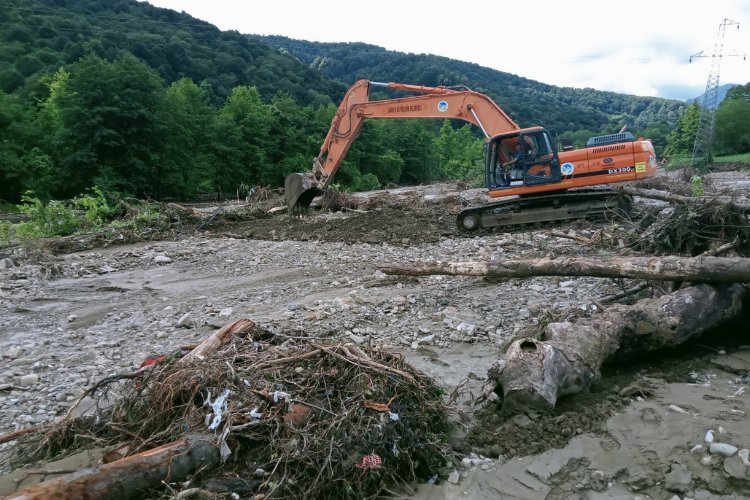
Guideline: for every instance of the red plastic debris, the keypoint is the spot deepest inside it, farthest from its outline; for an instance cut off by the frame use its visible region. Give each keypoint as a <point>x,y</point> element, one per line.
<point>371,461</point>
<point>155,360</point>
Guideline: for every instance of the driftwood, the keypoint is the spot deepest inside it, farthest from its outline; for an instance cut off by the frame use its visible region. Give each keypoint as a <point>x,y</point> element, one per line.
<point>534,374</point>
<point>655,194</point>
<point>217,339</point>
<point>130,477</point>
<point>706,269</point>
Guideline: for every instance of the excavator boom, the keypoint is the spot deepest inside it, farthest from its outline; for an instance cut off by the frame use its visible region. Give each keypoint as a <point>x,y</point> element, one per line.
<point>519,162</point>
<point>434,102</point>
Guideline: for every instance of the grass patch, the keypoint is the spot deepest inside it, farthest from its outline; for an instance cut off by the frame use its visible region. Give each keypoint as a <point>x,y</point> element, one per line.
<point>743,158</point>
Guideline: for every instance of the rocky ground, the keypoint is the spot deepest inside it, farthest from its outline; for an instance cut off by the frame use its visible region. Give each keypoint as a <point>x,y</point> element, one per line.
<point>70,320</point>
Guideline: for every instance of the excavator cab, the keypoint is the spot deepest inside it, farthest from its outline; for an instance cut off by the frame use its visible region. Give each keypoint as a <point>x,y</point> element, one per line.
<point>525,157</point>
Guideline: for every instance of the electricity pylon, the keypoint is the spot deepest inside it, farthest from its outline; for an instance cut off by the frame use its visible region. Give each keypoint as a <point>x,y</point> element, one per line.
<point>704,135</point>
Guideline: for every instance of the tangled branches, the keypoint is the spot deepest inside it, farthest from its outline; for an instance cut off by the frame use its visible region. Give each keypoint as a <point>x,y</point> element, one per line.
<point>693,228</point>
<point>312,420</point>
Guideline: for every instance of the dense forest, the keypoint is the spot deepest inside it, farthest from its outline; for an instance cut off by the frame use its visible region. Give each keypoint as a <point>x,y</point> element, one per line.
<point>140,100</point>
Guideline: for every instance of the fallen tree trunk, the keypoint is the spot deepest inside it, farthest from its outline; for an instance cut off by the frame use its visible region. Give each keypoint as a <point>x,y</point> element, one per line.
<point>694,269</point>
<point>534,374</point>
<point>130,477</point>
<point>655,194</point>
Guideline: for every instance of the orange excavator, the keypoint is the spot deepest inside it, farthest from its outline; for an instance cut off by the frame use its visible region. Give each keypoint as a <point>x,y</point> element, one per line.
<point>533,181</point>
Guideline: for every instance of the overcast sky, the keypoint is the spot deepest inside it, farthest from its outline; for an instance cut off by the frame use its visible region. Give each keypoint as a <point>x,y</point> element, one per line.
<point>632,46</point>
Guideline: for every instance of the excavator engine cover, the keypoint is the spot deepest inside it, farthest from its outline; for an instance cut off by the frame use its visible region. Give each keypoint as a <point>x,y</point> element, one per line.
<point>299,191</point>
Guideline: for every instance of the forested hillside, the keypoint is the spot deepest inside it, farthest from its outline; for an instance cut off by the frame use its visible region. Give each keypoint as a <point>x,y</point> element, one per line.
<point>150,102</point>
<point>39,36</point>
<point>528,102</point>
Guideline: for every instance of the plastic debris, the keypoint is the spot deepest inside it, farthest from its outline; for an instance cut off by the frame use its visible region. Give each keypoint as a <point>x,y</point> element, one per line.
<point>255,413</point>
<point>368,462</point>
<point>279,396</point>
<point>744,455</point>
<point>393,416</point>
<point>218,406</point>
<point>153,360</point>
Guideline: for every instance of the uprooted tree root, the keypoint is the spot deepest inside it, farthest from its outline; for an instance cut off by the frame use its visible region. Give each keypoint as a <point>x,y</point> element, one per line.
<point>319,421</point>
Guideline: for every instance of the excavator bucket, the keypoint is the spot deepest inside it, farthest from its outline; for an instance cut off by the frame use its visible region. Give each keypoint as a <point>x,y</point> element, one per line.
<point>299,191</point>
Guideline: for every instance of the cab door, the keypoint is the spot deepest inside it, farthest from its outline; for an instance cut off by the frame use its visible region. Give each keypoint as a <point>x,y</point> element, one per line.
<point>540,163</point>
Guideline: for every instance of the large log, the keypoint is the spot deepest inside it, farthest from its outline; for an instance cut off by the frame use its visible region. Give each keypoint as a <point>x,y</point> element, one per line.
<point>703,269</point>
<point>130,477</point>
<point>534,374</point>
<point>655,194</point>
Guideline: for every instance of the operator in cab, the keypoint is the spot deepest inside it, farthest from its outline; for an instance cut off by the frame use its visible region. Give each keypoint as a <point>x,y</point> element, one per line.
<point>502,170</point>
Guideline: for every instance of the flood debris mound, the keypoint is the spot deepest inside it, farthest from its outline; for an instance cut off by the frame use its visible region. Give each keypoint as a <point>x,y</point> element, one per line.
<point>283,417</point>
<point>691,225</point>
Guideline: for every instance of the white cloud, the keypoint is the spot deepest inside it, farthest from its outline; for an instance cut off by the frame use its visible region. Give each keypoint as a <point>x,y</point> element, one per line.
<point>639,47</point>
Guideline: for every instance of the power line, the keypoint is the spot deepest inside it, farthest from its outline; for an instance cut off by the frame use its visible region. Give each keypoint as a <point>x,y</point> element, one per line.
<point>704,134</point>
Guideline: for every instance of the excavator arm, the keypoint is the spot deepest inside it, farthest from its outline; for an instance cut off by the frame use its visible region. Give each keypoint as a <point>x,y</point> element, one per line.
<point>433,102</point>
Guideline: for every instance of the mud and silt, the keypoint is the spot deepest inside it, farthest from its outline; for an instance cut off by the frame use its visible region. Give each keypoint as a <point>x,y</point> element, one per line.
<point>384,225</point>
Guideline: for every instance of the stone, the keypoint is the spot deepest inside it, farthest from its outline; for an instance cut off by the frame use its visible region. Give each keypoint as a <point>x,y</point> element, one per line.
<point>677,409</point>
<point>7,263</point>
<point>29,379</point>
<point>454,477</point>
<point>356,339</point>
<point>186,321</point>
<point>734,467</point>
<point>467,328</point>
<point>678,479</point>
<point>724,449</point>
<point>162,259</point>
<point>13,352</point>
<point>226,312</point>
<point>71,318</point>
<point>522,421</point>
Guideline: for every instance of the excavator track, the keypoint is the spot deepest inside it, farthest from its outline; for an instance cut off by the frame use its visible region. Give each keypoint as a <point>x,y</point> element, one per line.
<point>552,207</point>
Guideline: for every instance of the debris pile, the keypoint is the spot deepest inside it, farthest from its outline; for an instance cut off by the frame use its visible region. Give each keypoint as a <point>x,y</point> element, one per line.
<point>289,417</point>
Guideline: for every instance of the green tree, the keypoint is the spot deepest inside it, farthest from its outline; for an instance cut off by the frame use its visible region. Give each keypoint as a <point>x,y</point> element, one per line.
<point>23,165</point>
<point>733,127</point>
<point>299,132</point>
<point>110,128</point>
<point>242,140</point>
<point>459,151</point>
<point>187,116</point>
<point>741,92</point>
<point>681,139</point>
